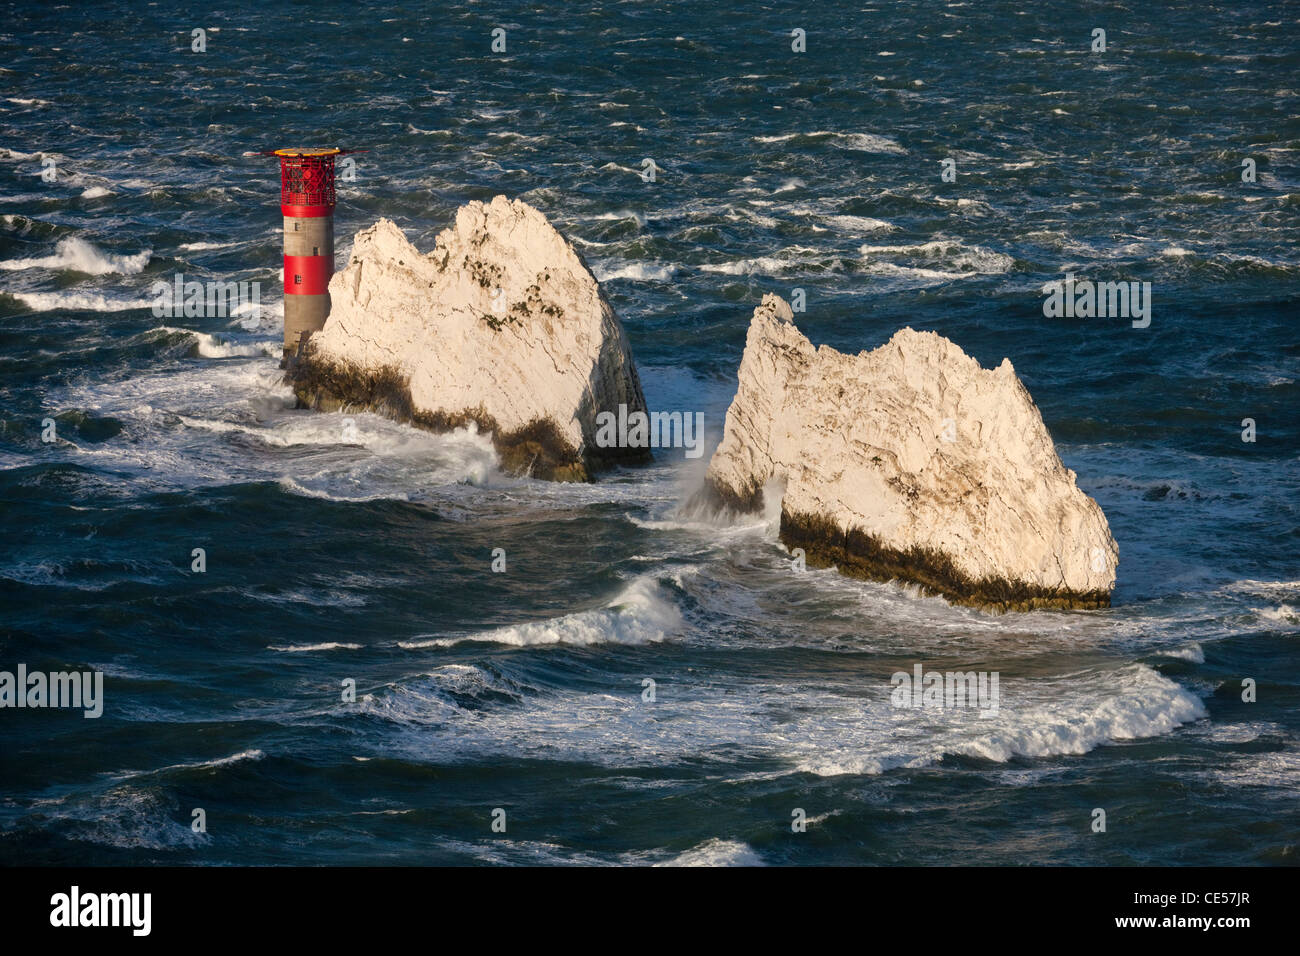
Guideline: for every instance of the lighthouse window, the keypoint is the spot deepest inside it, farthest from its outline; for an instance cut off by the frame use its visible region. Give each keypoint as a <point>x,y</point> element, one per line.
<point>315,250</point>
<point>295,227</point>
<point>297,280</point>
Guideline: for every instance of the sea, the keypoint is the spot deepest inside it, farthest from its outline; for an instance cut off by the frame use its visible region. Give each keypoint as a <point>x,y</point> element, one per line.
<point>307,655</point>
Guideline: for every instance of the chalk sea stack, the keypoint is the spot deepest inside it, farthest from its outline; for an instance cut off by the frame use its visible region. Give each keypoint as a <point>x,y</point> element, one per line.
<point>502,324</point>
<point>911,463</point>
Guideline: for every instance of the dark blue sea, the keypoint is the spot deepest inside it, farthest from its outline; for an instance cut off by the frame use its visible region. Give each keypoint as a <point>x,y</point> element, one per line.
<point>345,547</point>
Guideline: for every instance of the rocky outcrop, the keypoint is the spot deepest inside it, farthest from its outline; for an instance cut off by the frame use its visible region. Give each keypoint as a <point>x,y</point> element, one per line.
<point>502,325</point>
<point>911,462</point>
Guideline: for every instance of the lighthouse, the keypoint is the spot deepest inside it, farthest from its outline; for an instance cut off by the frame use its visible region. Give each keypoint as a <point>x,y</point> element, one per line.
<point>307,204</point>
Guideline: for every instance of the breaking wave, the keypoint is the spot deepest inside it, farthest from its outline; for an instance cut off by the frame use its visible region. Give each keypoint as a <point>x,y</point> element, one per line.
<point>640,614</point>
<point>78,255</point>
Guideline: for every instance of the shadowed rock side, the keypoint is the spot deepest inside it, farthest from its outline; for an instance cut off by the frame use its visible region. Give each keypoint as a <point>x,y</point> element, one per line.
<point>910,463</point>
<point>502,325</point>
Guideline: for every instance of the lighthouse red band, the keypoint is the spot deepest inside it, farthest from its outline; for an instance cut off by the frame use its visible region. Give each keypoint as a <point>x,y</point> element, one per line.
<point>307,203</point>
<point>307,275</point>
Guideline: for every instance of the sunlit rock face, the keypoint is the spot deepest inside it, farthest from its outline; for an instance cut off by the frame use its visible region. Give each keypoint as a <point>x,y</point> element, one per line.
<point>501,325</point>
<point>911,462</point>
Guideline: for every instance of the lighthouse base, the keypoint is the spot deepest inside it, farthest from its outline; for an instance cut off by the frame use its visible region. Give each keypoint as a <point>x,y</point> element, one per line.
<point>303,315</point>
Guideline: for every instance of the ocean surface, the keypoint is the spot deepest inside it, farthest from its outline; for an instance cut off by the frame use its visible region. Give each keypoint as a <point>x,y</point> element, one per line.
<point>347,547</point>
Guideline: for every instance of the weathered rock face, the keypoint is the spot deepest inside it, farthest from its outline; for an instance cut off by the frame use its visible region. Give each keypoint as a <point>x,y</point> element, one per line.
<point>502,324</point>
<point>911,462</point>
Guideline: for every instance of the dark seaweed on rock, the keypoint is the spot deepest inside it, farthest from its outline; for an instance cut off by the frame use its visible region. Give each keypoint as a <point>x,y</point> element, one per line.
<point>860,554</point>
<point>536,449</point>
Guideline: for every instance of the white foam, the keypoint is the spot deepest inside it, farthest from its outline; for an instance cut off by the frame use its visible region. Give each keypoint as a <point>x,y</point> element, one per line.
<point>859,224</point>
<point>861,142</point>
<point>1076,716</point>
<point>640,614</point>
<point>1278,769</point>
<point>242,756</point>
<point>307,648</point>
<point>208,345</point>
<point>717,852</point>
<point>891,270</point>
<point>202,246</point>
<point>1239,733</point>
<point>47,573</point>
<point>1277,614</point>
<point>609,271</point>
<point>637,217</point>
<point>612,167</point>
<point>78,302</point>
<point>793,260</point>
<point>1253,586</point>
<point>220,422</point>
<point>17,156</point>
<point>817,725</point>
<point>126,816</point>
<point>434,698</point>
<point>25,197</point>
<point>1285,614</point>
<point>947,253</point>
<point>78,255</point>
<point>866,143</point>
<point>292,486</point>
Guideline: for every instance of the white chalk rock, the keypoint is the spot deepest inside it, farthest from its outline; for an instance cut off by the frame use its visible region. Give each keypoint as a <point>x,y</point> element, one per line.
<point>501,324</point>
<point>911,462</point>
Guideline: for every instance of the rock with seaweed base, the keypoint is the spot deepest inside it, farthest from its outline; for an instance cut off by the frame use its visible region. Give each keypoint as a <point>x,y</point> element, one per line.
<point>501,325</point>
<point>910,463</point>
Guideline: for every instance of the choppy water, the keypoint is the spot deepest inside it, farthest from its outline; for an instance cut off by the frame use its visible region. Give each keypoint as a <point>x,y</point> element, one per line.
<point>336,553</point>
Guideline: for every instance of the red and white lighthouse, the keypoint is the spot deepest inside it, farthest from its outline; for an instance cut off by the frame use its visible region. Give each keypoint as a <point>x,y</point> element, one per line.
<point>307,204</point>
